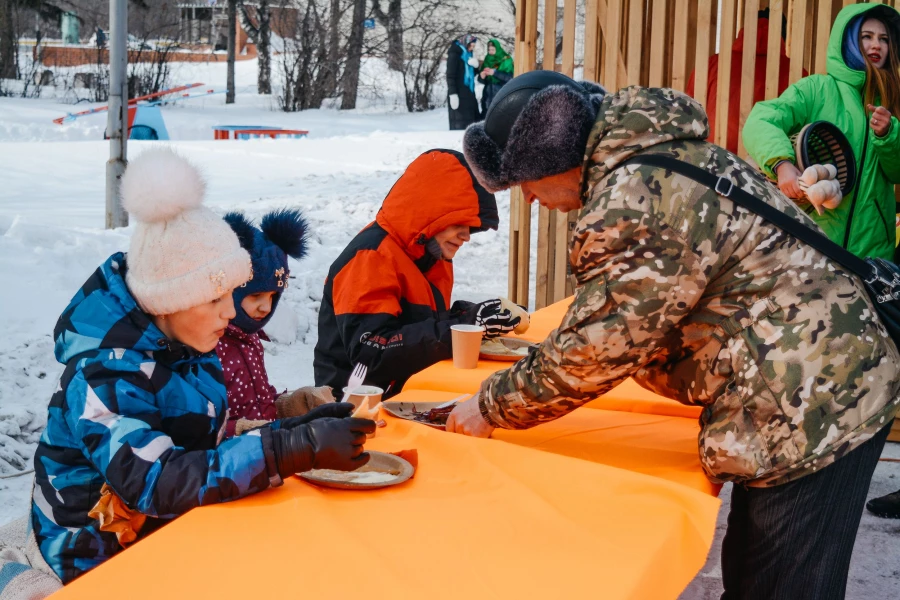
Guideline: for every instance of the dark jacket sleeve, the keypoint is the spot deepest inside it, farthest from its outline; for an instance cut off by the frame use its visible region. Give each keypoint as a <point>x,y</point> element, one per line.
<point>115,417</point>
<point>368,308</point>
<point>454,64</point>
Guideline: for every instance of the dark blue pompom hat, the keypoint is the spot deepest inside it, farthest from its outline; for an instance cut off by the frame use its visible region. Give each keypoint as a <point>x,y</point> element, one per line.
<point>281,233</point>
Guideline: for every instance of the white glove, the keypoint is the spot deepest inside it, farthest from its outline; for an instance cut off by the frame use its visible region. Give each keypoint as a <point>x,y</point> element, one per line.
<point>473,62</point>
<point>454,101</point>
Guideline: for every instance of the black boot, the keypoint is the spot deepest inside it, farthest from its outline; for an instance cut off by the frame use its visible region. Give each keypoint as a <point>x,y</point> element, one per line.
<point>886,507</point>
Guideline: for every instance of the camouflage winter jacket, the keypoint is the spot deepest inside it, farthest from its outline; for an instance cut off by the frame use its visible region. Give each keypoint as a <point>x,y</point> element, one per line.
<point>706,303</point>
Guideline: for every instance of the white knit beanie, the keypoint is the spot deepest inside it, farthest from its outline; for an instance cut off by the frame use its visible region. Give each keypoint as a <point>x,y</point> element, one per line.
<point>182,254</point>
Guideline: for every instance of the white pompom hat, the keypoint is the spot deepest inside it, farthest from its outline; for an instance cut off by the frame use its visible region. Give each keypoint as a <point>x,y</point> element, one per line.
<point>182,254</point>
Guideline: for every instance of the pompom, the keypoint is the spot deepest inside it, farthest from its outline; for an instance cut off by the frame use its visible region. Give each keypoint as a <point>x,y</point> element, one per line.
<point>242,226</point>
<point>288,230</point>
<point>160,184</point>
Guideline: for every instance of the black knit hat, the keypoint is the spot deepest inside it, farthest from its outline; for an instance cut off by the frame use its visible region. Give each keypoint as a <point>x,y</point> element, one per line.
<point>537,126</point>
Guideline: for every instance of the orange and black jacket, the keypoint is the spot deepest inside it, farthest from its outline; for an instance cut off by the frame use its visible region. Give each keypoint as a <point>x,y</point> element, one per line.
<point>386,298</point>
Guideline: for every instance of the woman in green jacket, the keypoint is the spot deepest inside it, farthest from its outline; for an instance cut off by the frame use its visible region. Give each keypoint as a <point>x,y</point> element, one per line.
<point>861,95</point>
<point>496,70</point>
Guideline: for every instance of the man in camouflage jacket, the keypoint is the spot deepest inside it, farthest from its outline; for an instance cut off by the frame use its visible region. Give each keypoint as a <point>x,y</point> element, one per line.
<point>698,300</point>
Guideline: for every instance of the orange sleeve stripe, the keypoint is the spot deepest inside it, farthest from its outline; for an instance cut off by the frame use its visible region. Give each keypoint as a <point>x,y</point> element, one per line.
<point>368,284</point>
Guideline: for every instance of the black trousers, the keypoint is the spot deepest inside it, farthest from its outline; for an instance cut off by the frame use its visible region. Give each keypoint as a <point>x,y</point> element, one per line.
<point>794,541</point>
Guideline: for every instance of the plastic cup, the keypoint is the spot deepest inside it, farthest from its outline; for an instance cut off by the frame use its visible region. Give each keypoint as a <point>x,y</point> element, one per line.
<point>466,340</point>
<point>364,393</point>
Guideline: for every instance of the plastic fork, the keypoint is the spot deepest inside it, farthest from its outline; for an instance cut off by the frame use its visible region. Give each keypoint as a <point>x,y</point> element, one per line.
<point>356,379</point>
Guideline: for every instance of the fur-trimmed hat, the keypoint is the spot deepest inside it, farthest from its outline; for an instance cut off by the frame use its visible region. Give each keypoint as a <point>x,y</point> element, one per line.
<point>281,233</point>
<point>537,126</point>
<point>182,254</point>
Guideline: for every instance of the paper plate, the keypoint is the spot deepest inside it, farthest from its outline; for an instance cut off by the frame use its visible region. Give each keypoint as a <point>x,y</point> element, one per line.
<point>405,410</point>
<point>511,343</point>
<point>371,476</point>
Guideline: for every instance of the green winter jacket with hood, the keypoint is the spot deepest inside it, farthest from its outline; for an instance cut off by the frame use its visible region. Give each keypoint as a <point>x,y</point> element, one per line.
<point>836,97</point>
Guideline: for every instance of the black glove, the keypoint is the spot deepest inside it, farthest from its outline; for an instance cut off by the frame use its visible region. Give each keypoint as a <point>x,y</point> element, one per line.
<point>336,410</point>
<point>495,319</point>
<point>322,444</point>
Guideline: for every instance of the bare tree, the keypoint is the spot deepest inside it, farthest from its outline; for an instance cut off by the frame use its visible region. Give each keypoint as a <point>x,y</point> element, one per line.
<point>315,54</point>
<point>350,80</point>
<point>433,27</point>
<point>392,21</point>
<point>260,33</point>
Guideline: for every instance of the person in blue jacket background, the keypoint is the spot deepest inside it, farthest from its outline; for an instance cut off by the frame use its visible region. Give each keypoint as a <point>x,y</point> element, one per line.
<point>135,429</point>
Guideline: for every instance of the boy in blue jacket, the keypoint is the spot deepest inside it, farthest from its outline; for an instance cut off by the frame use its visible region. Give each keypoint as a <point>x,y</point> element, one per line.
<point>135,430</point>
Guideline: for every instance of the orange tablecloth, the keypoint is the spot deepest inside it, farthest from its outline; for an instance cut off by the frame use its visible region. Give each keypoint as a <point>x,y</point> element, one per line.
<point>481,519</point>
<point>660,445</point>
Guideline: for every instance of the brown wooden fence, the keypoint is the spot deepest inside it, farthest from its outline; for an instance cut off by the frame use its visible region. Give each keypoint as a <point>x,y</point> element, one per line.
<point>652,43</point>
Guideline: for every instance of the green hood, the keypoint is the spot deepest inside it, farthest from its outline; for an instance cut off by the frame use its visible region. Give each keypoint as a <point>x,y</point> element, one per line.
<point>835,64</point>
<point>500,60</point>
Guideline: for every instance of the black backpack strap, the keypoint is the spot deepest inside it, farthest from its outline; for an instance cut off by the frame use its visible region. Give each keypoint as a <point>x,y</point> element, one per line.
<point>724,186</point>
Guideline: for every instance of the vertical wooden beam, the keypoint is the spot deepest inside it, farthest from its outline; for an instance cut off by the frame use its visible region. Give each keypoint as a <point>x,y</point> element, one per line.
<point>635,41</point>
<point>726,41</point>
<point>798,40</point>
<point>591,41</point>
<point>823,32</point>
<point>679,54</point>
<point>657,44</point>
<point>611,33</point>
<point>524,249</point>
<point>748,67</point>
<point>701,70</point>
<point>549,35</point>
<point>570,10</point>
<point>773,49</point>
<point>546,244</point>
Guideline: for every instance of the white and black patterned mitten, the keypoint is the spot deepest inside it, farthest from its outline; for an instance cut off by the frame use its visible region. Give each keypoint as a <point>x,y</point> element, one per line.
<point>495,319</point>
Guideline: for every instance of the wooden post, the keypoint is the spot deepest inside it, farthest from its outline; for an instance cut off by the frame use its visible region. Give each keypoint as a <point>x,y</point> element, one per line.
<point>701,70</point>
<point>748,67</point>
<point>549,35</point>
<point>570,10</point>
<point>635,41</point>
<point>679,55</point>
<point>611,33</point>
<point>823,31</point>
<point>726,41</point>
<point>657,43</point>
<point>591,42</point>
<point>773,50</point>
<point>798,39</point>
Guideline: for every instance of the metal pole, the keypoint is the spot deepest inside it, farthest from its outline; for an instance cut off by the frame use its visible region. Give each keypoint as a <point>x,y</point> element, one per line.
<point>117,121</point>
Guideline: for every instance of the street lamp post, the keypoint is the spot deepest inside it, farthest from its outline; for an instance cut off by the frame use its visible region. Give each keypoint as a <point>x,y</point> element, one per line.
<point>117,121</point>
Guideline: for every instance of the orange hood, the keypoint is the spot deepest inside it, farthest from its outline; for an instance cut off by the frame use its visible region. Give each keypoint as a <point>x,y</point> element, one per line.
<point>437,190</point>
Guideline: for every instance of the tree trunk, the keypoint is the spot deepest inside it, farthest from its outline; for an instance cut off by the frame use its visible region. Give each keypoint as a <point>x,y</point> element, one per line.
<point>264,49</point>
<point>350,80</point>
<point>232,41</point>
<point>8,41</point>
<point>392,21</point>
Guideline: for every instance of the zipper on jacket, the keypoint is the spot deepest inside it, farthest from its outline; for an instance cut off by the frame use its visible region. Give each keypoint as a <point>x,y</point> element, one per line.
<point>856,187</point>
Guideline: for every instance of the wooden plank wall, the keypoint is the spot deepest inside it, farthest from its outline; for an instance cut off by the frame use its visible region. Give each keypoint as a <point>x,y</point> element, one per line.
<point>655,43</point>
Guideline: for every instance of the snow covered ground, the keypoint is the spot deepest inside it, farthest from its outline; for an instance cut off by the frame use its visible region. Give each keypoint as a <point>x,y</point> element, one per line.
<point>52,238</point>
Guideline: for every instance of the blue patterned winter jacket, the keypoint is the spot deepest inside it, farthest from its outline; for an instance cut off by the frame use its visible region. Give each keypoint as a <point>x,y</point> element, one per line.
<point>139,412</point>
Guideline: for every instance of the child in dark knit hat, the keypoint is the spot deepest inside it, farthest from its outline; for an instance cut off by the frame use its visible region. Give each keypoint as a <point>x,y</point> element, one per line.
<point>252,400</point>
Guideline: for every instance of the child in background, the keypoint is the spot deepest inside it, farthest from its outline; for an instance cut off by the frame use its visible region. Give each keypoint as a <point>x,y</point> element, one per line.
<point>252,400</point>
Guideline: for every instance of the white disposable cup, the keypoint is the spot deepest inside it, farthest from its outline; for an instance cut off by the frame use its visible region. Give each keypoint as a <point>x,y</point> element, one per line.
<point>364,393</point>
<point>466,340</point>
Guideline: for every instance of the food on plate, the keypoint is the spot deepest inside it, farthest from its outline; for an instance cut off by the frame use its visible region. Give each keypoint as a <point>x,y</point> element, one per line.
<point>517,311</point>
<point>497,347</point>
<point>435,416</point>
<point>358,476</point>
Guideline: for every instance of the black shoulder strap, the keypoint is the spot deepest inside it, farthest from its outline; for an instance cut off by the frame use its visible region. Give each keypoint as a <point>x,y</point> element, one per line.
<point>727,188</point>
